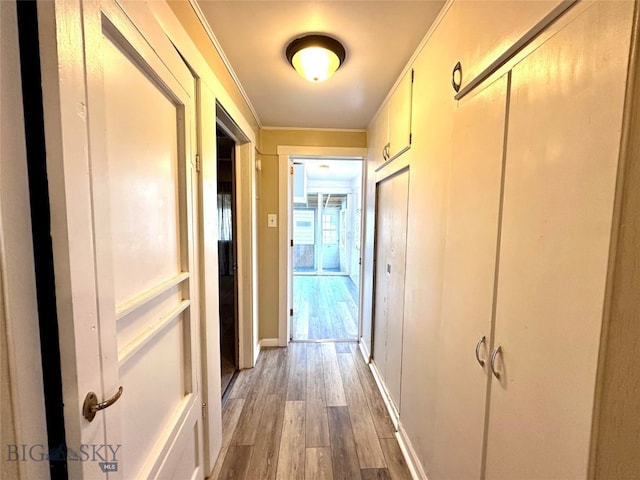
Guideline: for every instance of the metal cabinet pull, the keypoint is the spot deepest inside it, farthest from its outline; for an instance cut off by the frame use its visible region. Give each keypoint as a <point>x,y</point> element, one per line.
<point>385,151</point>
<point>480,342</point>
<point>456,77</point>
<point>495,353</point>
<point>91,405</point>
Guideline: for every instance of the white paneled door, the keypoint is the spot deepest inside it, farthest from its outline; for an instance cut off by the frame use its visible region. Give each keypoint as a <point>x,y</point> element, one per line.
<point>469,276</point>
<point>392,204</point>
<point>118,109</point>
<point>559,191</point>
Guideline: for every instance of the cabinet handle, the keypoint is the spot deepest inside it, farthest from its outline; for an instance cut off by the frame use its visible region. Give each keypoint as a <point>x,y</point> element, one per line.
<point>480,342</point>
<point>456,77</point>
<point>495,353</point>
<point>385,151</point>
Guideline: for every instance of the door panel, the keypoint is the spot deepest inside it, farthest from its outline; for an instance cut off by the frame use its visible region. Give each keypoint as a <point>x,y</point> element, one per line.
<point>154,379</point>
<point>148,192</point>
<point>561,167</point>
<point>469,276</point>
<point>400,106</point>
<point>391,240</point>
<point>142,150</point>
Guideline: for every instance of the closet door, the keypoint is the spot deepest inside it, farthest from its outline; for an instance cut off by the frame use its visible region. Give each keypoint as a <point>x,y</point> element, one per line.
<point>469,278</point>
<point>562,152</point>
<point>391,242</point>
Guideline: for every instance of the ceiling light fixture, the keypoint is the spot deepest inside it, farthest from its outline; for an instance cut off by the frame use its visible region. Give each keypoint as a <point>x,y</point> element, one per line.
<point>315,57</point>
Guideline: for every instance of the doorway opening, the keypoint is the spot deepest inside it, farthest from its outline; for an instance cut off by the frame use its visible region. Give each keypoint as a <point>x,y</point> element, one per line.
<point>227,258</point>
<point>326,226</point>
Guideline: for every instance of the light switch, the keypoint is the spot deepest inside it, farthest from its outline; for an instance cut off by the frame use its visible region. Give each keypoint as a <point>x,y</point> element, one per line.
<point>272,220</point>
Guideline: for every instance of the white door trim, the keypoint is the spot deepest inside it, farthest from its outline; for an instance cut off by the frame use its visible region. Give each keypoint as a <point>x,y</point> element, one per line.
<point>245,179</point>
<point>284,225</point>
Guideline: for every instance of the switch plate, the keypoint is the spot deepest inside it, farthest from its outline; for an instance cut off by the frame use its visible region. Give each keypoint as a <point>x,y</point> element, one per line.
<point>272,220</point>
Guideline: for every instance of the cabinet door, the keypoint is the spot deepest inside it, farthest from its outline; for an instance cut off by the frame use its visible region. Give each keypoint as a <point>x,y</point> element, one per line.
<point>469,278</point>
<point>379,136</point>
<point>562,152</point>
<point>400,116</point>
<point>391,242</point>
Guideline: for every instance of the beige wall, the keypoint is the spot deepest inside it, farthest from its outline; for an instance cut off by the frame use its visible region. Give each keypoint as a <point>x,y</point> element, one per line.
<point>269,140</point>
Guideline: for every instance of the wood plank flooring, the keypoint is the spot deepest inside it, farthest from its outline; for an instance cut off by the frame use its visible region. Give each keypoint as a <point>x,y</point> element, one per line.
<point>309,411</point>
<point>324,308</point>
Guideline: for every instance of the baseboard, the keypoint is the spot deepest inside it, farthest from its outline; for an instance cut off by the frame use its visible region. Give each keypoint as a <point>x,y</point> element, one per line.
<point>269,342</point>
<point>393,413</point>
<point>364,351</point>
<point>410,456</point>
<point>417,472</point>
<point>256,353</point>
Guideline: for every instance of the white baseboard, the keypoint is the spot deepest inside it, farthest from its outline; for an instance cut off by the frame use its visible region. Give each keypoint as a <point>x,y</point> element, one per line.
<point>364,351</point>
<point>256,353</point>
<point>269,342</point>
<point>393,413</point>
<point>410,456</point>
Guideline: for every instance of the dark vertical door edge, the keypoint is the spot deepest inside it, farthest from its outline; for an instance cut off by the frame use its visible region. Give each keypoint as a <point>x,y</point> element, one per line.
<point>41,232</point>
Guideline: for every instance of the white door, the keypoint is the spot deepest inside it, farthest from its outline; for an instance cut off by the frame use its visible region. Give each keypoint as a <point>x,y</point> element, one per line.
<point>469,276</point>
<point>392,202</point>
<point>565,119</point>
<point>118,132</point>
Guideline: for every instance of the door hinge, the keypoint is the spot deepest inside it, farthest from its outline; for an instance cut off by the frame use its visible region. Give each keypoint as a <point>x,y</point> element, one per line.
<point>197,163</point>
<point>291,169</point>
<point>412,75</point>
<point>360,261</point>
<point>291,312</point>
<point>410,138</point>
<point>204,409</point>
<point>292,243</point>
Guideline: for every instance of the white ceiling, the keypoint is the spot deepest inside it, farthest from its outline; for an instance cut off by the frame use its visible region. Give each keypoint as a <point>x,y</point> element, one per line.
<point>331,169</point>
<point>379,37</point>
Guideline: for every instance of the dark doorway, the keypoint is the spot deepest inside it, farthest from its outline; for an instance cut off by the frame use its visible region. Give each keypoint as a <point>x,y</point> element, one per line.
<point>227,255</point>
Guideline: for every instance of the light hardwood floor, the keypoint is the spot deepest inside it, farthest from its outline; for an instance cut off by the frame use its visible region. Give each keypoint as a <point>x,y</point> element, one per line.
<point>325,307</point>
<point>308,411</point>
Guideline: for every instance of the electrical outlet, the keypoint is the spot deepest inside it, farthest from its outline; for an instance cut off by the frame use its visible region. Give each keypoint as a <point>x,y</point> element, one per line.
<point>272,220</point>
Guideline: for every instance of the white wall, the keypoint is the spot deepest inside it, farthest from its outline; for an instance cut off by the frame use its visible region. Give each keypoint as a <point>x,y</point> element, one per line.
<point>22,396</point>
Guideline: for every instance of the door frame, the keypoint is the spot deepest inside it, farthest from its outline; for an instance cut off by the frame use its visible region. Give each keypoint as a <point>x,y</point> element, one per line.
<point>244,241</point>
<point>285,233</point>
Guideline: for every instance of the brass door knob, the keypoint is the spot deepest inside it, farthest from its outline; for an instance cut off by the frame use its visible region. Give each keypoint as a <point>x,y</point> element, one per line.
<point>91,405</point>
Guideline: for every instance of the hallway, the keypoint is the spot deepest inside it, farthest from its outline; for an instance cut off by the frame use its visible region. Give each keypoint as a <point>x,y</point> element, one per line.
<point>326,307</point>
<point>309,411</point>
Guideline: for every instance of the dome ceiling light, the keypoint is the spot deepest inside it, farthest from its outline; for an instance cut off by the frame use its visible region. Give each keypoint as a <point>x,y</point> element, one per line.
<point>315,57</point>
